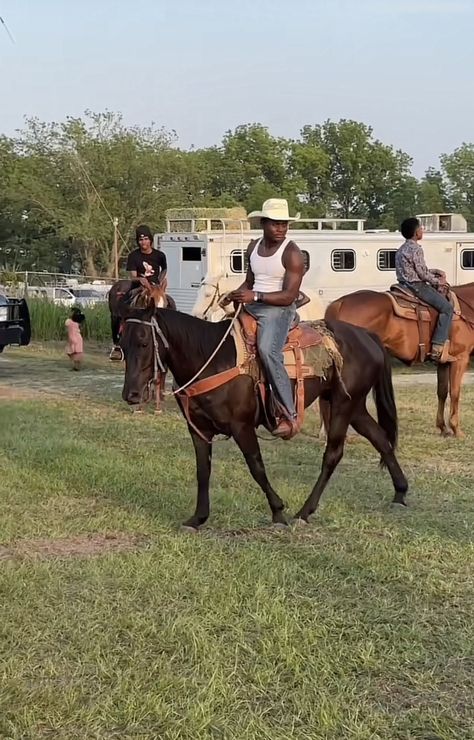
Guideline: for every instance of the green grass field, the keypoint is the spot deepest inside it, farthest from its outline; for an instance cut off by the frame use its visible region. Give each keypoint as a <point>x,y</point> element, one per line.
<point>115,624</point>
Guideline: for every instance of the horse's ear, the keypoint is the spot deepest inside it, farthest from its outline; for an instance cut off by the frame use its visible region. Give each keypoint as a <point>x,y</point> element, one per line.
<point>145,283</point>
<point>162,281</point>
<point>162,276</point>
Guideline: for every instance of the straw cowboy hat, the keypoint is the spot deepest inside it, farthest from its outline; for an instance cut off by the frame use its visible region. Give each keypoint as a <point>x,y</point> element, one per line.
<point>276,209</point>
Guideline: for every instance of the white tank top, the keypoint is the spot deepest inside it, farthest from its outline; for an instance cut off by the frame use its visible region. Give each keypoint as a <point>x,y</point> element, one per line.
<point>268,271</point>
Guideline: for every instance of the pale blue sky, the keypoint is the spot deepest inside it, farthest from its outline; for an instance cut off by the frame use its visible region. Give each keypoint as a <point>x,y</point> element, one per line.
<point>404,66</point>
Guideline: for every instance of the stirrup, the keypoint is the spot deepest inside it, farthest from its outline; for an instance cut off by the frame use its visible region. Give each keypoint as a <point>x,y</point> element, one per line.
<point>442,354</point>
<point>116,354</point>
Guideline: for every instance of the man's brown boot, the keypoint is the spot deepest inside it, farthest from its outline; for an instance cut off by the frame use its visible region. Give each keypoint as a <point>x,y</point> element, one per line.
<point>286,429</point>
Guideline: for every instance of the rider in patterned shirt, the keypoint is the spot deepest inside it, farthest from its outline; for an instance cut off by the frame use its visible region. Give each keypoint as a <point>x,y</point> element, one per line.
<point>413,273</point>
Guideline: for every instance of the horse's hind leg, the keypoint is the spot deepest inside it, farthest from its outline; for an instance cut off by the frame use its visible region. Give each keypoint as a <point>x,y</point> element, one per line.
<point>203,452</point>
<point>363,423</point>
<point>338,425</point>
<point>456,372</point>
<point>247,441</point>
<point>324,416</point>
<point>115,328</point>
<point>442,391</point>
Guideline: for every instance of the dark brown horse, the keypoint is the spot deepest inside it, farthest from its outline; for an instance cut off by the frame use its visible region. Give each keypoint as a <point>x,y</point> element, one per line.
<point>184,344</point>
<point>373,311</point>
<point>147,294</point>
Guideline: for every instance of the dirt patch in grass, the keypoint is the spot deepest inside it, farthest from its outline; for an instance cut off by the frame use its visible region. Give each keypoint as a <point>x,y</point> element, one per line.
<point>83,546</point>
<point>10,393</point>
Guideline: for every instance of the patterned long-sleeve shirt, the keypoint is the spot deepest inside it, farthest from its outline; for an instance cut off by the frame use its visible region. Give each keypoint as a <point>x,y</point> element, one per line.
<point>410,265</point>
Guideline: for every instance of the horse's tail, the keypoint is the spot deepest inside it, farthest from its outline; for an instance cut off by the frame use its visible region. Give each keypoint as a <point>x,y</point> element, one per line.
<point>384,397</point>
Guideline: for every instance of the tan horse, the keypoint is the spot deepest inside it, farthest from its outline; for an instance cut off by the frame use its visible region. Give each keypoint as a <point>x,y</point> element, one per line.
<point>401,336</point>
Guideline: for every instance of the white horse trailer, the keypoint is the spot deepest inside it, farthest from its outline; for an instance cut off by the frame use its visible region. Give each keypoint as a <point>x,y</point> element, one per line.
<point>338,259</point>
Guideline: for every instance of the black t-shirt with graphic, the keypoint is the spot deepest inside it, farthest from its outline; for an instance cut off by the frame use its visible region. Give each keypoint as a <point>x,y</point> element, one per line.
<point>147,265</point>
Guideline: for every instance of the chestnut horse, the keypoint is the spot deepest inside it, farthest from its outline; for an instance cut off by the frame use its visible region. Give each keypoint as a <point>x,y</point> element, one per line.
<point>373,311</point>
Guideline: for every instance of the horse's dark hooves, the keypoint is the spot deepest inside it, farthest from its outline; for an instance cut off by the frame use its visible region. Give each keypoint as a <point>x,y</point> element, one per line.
<point>399,506</point>
<point>446,432</point>
<point>189,529</point>
<point>299,522</point>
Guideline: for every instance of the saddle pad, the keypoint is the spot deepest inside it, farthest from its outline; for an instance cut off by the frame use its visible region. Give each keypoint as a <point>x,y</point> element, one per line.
<point>319,351</point>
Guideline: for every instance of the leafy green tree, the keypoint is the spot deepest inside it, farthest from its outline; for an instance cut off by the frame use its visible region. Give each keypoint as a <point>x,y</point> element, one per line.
<point>432,193</point>
<point>363,173</point>
<point>458,169</point>
<point>249,163</point>
<point>75,177</point>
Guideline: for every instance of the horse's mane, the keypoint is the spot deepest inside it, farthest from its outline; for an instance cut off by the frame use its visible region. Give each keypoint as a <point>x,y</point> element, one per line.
<point>200,338</point>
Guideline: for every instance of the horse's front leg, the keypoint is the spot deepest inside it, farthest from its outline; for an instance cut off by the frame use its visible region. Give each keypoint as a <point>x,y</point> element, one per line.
<point>246,438</point>
<point>456,373</point>
<point>159,392</point>
<point>442,392</point>
<point>203,452</point>
<point>340,415</point>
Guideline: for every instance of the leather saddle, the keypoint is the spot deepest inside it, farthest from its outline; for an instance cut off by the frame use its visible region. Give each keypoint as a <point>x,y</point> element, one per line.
<point>407,305</point>
<point>300,336</point>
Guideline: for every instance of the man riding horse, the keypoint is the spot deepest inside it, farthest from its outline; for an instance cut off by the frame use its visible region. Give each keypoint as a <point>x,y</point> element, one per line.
<point>413,274</point>
<point>142,262</point>
<point>269,292</point>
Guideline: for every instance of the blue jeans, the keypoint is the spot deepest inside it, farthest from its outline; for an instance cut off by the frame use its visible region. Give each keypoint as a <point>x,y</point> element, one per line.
<point>429,294</point>
<point>274,323</point>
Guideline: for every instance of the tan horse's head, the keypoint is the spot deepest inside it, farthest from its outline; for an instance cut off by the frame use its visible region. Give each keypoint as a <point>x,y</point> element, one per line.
<point>151,294</point>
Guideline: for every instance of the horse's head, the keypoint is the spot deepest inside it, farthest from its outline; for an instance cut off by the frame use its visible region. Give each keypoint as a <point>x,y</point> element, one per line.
<point>153,294</point>
<point>143,344</point>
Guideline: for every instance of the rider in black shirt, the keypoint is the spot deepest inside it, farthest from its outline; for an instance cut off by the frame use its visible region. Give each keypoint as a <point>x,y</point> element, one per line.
<point>146,261</point>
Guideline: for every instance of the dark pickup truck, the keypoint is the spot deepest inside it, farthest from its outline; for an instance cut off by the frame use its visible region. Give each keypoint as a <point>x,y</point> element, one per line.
<point>15,326</point>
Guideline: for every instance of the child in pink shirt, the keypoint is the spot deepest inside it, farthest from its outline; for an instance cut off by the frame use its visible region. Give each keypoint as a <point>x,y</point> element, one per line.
<point>75,344</point>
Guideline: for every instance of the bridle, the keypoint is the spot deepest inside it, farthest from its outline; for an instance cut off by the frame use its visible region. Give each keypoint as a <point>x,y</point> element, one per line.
<point>156,333</point>
<point>159,365</point>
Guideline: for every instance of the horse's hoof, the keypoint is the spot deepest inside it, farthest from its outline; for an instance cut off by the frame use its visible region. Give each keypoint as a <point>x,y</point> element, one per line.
<point>280,526</point>
<point>299,522</point>
<point>158,411</point>
<point>188,529</point>
<point>398,506</point>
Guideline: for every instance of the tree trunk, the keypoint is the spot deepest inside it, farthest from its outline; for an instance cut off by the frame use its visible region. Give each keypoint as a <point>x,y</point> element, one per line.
<point>89,264</point>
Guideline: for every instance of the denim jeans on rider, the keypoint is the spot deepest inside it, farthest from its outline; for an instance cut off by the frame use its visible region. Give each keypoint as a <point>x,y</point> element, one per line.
<point>430,295</point>
<point>274,323</point>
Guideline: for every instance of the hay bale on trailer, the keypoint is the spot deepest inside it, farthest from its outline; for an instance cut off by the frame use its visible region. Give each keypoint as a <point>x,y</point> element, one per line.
<point>187,219</point>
